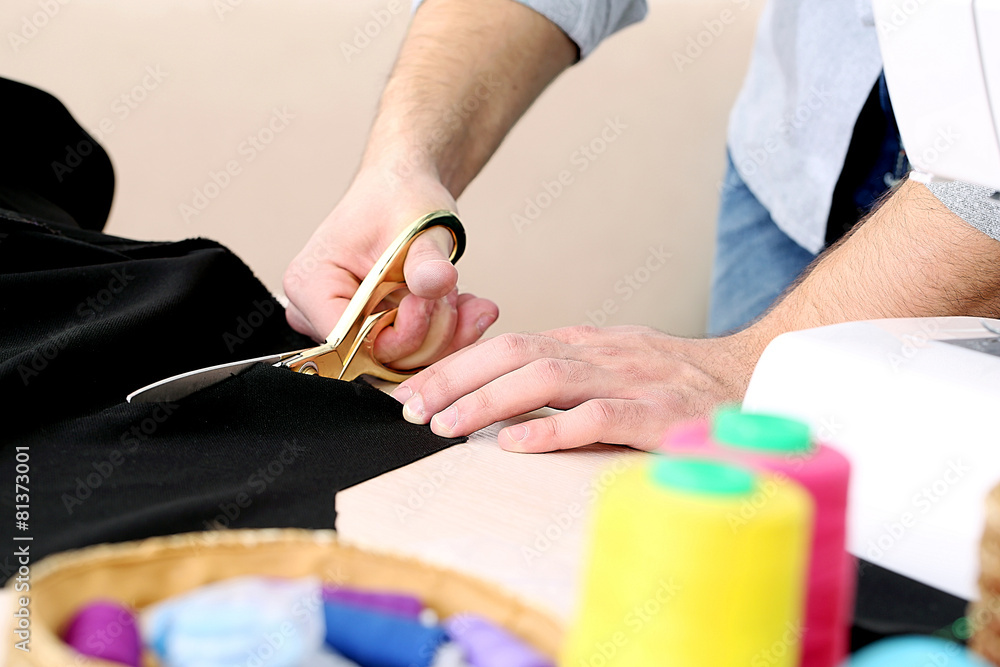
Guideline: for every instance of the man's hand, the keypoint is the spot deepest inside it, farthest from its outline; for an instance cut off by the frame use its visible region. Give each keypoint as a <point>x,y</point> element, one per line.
<point>619,385</point>
<point>626,385</point>
<point>433,320</point>
<point>465,74</point>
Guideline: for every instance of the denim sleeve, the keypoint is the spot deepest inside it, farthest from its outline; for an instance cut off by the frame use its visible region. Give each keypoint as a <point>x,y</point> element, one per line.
<point>586,22</point>
<point>973,203</point>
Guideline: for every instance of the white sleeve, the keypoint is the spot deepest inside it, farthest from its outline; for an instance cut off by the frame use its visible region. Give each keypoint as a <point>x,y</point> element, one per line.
<point>586,22</point>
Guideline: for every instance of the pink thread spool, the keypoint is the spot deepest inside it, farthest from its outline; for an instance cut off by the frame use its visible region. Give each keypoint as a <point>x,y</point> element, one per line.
<point>784,446</point>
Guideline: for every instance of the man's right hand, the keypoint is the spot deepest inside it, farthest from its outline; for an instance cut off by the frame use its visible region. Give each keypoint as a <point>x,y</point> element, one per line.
<point>465,73</point>
<point>434,320</point>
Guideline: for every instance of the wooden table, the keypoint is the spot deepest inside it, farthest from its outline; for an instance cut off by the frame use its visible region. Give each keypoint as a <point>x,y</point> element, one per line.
<point>519,520</point>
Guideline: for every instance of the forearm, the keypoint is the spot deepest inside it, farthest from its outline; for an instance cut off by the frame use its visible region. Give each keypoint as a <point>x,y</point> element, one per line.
<point>466,72</point>
<point>912,258</point>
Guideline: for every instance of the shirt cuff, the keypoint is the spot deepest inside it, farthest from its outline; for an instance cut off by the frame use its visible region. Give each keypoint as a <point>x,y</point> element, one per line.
<point>586,22</point>
<point>972,203</point>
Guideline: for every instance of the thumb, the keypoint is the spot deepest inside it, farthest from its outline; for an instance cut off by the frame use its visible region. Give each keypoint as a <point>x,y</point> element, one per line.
<point>427,271</point>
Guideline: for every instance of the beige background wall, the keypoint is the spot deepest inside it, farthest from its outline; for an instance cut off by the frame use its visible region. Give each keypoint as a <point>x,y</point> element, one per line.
<point>225,65</point>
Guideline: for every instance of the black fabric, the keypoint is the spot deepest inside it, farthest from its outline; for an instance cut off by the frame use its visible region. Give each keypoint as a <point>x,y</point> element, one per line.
<point>891,604</point>
<point>86,318</point>
<point>51,168</point>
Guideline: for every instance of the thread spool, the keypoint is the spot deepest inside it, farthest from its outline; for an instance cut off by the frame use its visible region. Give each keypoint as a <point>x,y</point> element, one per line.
<point>107,630</point>
<point>375,638</point>
<point>785,447</point>
<point>487,645</point>
<point>388,602</point>
<point>672,579</point>
<point>915,652</point>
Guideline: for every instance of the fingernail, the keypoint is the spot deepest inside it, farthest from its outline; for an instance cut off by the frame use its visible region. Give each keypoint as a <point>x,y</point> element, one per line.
<point>413,410</point>
<point>484,322</point>
<point>402,393</point>
<point>517,433</point>
<point>446,419</point>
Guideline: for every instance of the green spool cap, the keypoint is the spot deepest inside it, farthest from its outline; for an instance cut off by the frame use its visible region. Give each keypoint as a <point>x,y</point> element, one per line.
<point>701,476</point>
<point>760,432</point>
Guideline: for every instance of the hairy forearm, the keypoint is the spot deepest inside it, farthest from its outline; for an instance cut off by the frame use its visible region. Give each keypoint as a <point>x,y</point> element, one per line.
<point>466,72</point>
<point>911,258</point>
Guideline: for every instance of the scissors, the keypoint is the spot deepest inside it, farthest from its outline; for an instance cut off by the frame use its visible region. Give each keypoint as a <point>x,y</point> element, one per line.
<point>348,350</point>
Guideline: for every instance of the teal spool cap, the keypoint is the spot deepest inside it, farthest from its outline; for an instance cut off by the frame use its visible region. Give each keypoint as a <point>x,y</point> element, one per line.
<point>704,477</point>
<point>761,432</point>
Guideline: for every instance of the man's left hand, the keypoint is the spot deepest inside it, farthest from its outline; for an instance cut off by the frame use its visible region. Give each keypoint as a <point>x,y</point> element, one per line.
<point>617,385</point>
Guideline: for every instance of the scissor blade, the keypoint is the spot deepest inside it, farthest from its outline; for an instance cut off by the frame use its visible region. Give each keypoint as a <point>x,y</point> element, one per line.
<point>179,386</point>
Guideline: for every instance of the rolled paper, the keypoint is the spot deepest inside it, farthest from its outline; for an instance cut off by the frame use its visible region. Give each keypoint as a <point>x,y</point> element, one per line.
<point>785,448</point>
<point>487,645</point>
<point>249,621</point>
<point>107,630</point>
<point>379,639</point>
<point>914,651</point>
<point>392,603</point>
<point>672,580</point>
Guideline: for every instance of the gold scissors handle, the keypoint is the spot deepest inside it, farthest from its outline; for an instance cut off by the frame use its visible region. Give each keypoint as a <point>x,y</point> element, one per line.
<point>349,349</point>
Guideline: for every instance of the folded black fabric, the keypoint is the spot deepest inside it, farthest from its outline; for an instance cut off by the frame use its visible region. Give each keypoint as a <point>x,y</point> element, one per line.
<point>86,318</point>
<point>49,166</point>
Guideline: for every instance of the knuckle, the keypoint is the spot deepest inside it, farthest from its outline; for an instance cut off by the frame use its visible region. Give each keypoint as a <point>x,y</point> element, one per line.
<point>513,346</point>
<point>549,429</point>
<point>549,371</point>
<point>291,283</point>
<point>577,335</point>
<point>484,399</point>
<point>603,412</point>
<point>438,382</point>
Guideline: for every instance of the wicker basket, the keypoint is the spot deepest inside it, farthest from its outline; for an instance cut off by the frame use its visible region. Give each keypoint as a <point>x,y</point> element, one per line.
<point>144,572</point>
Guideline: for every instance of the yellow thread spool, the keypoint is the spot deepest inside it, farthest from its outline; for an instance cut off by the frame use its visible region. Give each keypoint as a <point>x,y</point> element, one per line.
<point>694,564</point>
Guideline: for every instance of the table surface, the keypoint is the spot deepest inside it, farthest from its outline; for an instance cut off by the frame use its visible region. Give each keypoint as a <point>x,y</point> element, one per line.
<point>518,520</point>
